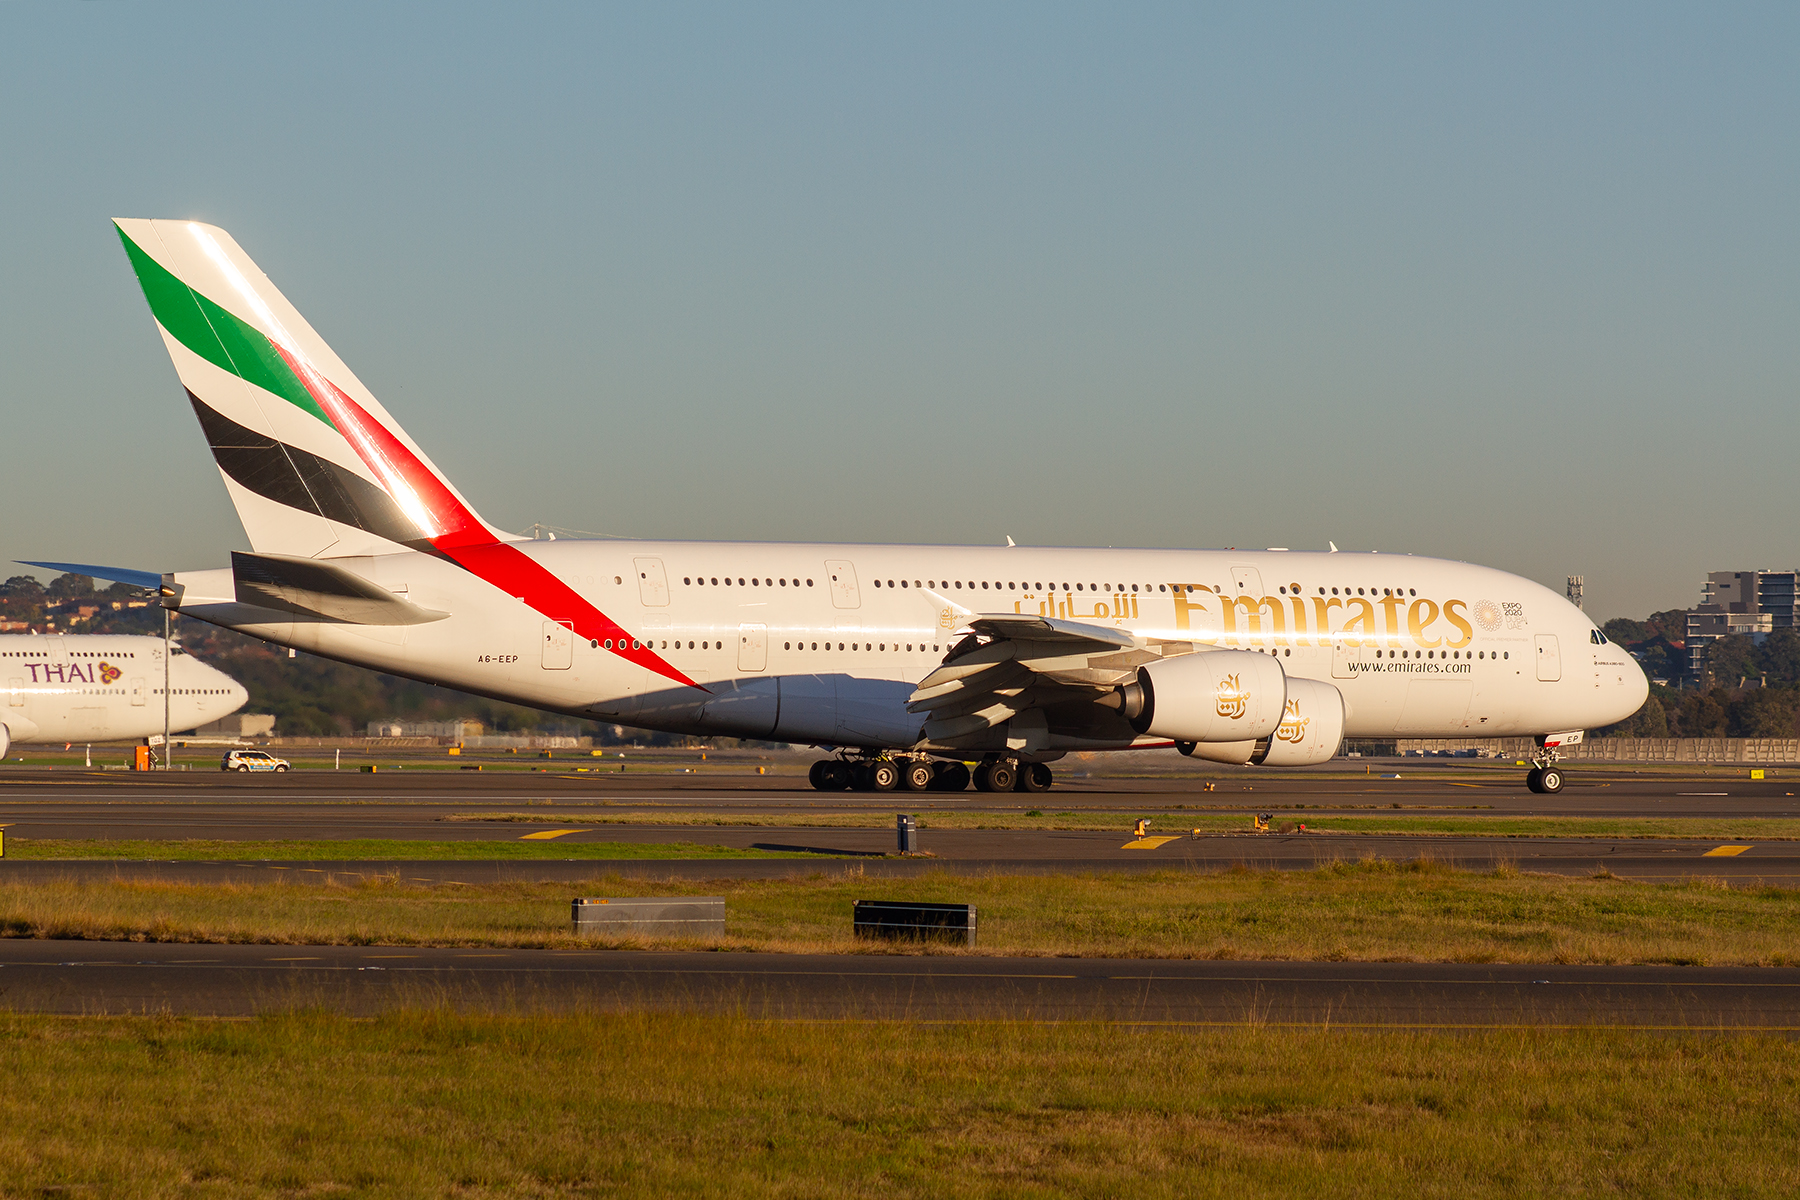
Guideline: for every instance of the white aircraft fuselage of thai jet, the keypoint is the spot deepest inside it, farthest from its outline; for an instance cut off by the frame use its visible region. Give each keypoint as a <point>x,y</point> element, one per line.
<point>909,660</point>
<point>102,687</point>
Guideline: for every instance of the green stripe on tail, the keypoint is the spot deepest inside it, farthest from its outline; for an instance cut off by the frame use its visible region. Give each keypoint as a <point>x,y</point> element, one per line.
<point>215,334</point>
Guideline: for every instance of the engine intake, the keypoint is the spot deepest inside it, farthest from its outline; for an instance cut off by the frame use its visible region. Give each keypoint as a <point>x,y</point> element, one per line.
<point>1209,696</point>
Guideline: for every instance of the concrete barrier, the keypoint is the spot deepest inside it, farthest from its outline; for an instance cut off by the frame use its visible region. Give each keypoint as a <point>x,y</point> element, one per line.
<point>669,916</point>
<point>1761,751</point>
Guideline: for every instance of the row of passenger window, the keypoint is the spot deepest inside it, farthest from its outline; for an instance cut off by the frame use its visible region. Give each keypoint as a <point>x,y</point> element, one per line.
<point>708,644</point>
<point>715,581</point>
<point>957,585</point>
<point>72,654</point>
<point>1451,654</point>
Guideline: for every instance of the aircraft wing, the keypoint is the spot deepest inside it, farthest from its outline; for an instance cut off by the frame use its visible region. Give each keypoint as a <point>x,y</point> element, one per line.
<point>143,579</point>
<point>1011,664</point>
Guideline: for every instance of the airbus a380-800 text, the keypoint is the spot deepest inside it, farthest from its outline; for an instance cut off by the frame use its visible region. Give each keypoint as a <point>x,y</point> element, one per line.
<point>907,662</point>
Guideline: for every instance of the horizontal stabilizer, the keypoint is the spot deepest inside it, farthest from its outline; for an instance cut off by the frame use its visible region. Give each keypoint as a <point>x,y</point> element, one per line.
<point>143,579</point>
<point>313,587</point>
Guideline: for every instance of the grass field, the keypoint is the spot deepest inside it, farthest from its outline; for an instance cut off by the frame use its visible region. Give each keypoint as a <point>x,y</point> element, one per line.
<point>1370,911</point>
<point>431,1104</point>
<point>205,850</point>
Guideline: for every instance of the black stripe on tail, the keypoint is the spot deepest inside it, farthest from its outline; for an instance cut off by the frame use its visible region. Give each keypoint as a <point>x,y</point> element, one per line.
<point>292,476</point>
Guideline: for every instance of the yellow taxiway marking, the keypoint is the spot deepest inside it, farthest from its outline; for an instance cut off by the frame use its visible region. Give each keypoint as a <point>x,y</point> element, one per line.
<point>544,835</point>
<point>1724,851</point>
<point>291,959</point>
<point>1147,843</point>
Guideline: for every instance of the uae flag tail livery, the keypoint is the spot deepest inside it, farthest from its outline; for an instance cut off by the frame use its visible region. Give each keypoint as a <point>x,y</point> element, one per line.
<point>317,468</point>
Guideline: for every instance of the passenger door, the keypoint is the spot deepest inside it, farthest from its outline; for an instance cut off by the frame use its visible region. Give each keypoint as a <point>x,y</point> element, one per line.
<point>653,582</point>
<point>137,691</point>
<point>842,577</point>
<point>1549,658</point>
<point>15,692</point>
<point>753,648</point>
<point>559,645</point>
<point>1248,582</point>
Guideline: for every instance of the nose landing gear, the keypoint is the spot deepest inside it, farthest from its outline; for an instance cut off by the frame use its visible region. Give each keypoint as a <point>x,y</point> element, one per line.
<point>1545,777</point>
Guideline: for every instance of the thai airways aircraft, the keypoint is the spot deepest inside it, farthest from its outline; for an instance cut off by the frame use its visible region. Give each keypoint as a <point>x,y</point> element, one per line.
<point>98,688</point>
<point>908,661</point>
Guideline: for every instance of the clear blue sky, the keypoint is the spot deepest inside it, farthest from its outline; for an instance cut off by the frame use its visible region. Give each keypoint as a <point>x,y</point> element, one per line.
<point>1516,284</point>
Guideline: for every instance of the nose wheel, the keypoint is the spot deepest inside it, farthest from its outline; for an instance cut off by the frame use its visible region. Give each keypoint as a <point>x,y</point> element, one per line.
<point>1544,780</point>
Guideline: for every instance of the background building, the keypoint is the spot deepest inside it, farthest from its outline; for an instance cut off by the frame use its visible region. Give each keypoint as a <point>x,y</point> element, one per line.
<point>1749,604</point>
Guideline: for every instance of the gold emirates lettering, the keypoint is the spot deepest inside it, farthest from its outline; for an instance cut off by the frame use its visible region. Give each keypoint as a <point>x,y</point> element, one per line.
<point>1293,725</point>
<point>1234,701</point>
<point>1207,618</point>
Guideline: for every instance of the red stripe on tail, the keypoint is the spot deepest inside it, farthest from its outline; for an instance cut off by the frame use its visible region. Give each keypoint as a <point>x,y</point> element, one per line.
<point>458,533</point>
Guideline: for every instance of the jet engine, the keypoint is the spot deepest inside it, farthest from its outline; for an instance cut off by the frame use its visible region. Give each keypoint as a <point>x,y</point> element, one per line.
<point>1215,703</point>
<point>1311,729</point>
<point>5,742</point>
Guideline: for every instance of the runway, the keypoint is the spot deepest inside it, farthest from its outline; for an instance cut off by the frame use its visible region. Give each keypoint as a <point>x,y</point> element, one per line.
<point>1446,786</point>
<point>229,981</point>
<point>434,806</point>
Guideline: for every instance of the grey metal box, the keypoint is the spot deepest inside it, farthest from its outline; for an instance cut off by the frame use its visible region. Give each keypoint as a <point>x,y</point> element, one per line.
<point>907,828</point>
<point>905,919</point>
<point>680,916</point>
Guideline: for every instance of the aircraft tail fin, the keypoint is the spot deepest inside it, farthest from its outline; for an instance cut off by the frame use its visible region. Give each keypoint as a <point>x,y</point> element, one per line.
<point>315,465</point>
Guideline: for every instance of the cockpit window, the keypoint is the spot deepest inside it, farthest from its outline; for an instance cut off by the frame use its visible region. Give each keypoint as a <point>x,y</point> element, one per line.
<point>1598,638</point>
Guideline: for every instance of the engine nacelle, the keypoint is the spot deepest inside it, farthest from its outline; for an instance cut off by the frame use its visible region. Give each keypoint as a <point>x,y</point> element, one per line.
<point>1311,729</point>
<point>5,742</point>
<point>1209,696</point>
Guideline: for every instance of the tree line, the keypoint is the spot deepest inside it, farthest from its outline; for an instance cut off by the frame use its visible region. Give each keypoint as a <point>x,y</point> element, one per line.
<point>1743,689</point>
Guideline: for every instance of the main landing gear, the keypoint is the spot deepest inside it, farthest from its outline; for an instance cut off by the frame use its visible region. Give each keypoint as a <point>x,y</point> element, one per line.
<point>888,773</point>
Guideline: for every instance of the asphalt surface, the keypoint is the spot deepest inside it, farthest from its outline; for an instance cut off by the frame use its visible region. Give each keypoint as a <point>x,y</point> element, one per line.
<point>1446,786</point>
<point>115,978</point>
<point>436,806</point>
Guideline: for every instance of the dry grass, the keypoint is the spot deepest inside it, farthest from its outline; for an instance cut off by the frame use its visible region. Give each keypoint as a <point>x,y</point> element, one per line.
<point>1369,911</point>
<point>431,1104</point>
<point>369,849</point>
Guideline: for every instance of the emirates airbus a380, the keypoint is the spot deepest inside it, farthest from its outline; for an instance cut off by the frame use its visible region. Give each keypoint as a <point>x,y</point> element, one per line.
<point>906,662</point>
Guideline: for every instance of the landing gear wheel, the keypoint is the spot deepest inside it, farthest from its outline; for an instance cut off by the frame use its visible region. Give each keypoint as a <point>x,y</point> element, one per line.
<point>1034,777</point>
<point>1550,781</point>
<point>834,776</point>
<point>883,776</point>
<point>951,777</point>
<point>917,775</point>
<point>815,775</point>
<point>1534,779</point>
<point>995,775</point>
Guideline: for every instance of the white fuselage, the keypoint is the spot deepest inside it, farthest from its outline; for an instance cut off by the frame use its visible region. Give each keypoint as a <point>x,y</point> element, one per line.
<point>102,687</point>
<point>824,644</point>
